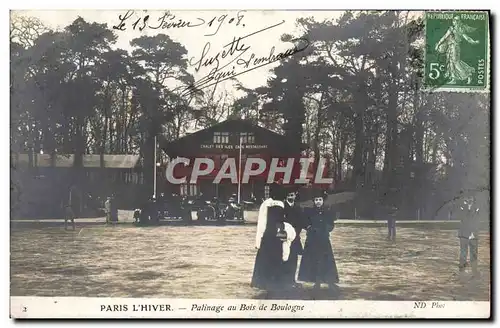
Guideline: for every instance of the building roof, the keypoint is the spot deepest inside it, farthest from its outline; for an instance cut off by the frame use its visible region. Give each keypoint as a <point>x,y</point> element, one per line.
<point>187,144</point>
<point>89,160</point>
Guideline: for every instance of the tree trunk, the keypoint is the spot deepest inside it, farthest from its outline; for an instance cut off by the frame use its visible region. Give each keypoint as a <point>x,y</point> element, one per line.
<point>295,118</point>
<point>316,140</point>
<point>419,139</point>
<point>147,169</point>
<point>357,162</point>
<point>343,145</point>
<point>370,163</point>
<point>391,159</point>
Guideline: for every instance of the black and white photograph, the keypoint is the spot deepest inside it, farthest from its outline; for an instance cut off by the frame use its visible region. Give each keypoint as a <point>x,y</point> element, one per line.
<point>250,164</point>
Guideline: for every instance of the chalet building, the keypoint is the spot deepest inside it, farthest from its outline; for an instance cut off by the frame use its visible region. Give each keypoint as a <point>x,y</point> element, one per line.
<point>42,184</point>
<point>220,142</point>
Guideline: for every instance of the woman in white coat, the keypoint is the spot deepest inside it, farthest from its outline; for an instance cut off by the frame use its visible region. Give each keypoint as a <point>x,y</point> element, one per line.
<point>273,240</point>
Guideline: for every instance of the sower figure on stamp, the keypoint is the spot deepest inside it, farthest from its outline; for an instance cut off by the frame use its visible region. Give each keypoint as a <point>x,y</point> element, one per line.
<point>318,263</point>
<point>469,234</point>
<point>273,241</point>
<point>294,216</point>
<point>449,44</point>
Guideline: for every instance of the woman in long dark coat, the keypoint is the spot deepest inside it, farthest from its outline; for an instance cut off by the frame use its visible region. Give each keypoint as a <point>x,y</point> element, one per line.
<point>273,240</point>
<point>318,263</point>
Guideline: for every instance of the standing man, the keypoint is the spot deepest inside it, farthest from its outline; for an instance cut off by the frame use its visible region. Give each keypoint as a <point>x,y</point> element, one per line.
<point>107,209</point>
<point>294,216</point>
<point>468,234</point>
<point>391,223</point>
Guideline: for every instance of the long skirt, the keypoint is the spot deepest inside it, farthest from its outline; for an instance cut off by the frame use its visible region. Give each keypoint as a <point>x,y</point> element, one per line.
<point>318,263</point>
<point>456,68</point>
<point>269,270</point>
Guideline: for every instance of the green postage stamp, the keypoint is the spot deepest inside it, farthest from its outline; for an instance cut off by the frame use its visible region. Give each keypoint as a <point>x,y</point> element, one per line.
<point>457,51</point>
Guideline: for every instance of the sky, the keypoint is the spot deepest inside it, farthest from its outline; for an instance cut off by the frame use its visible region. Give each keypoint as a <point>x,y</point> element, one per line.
<point>195,39</point>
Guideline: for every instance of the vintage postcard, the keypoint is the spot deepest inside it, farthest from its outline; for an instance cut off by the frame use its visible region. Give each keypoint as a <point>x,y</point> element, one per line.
<point>250,164</point>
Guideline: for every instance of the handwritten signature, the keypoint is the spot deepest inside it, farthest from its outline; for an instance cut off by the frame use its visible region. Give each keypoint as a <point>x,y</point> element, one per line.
<point>168,20</point>
<point>235,51</point>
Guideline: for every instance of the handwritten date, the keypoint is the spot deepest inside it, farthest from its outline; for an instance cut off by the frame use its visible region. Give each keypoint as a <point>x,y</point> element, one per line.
<point>168,20</point>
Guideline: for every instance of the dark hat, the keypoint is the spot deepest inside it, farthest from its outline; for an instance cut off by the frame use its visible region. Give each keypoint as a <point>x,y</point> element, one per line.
<point>319,193</point>
<point>277,191</point>
<point>290,189</point>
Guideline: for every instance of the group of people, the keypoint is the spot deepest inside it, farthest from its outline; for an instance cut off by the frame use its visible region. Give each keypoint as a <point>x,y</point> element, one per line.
<point>213,209</point>
<point>278,242</point>
<point>155,208</point>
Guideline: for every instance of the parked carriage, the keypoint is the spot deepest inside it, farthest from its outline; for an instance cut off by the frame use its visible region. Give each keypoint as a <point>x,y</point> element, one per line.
<point>180,210</point>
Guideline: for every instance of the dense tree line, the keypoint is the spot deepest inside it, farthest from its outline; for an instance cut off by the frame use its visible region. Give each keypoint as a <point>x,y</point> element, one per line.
<point>354,96</point>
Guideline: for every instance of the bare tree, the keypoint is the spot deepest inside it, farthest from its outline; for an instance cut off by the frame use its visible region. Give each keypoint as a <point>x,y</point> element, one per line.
<point>24,30</point>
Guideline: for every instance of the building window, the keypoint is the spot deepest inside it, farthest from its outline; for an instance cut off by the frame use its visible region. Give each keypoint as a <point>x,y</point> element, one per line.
<point>113,176</point>
<point>189,190</point>
<point>193,190</point>
<point>221,137</point>
<point>183,190</point>
<point>131,177</point>
<point>247,137</point>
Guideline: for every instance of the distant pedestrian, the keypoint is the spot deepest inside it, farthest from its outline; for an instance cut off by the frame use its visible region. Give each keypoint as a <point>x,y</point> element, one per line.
<point>391,224</point>
<point>469,234</point>
<point>137,215</point>
<point>107,209</point>
<point>69,215</point>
